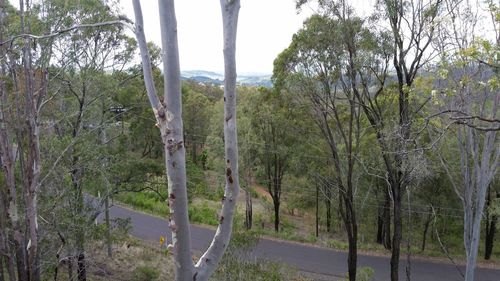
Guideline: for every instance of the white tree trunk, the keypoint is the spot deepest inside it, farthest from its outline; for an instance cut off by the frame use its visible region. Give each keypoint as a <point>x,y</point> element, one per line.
<point>169,118</point>
<point>479,164</point>
<point>208,262</point>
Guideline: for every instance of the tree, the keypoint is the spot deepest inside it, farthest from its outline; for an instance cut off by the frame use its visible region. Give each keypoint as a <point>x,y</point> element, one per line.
<point>273,123</point>
<point>20,145</point>
<point>318,60</point>
<point>469,85</point>
<point>196,117</point>
<point>168,114</point>
<point>412,29</point>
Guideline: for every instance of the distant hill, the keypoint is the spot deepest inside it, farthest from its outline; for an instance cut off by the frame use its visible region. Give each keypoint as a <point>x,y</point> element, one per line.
<point>251,79</point>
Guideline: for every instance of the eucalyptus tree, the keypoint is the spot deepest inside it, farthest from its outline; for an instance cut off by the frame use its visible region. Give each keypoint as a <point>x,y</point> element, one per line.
<point>168,114</point>
<point>274,124</point>
<point>196,116</point>
<point>23,89</point>
<point>411,30</point>
<point>326,76</point>
<point>469,86</point>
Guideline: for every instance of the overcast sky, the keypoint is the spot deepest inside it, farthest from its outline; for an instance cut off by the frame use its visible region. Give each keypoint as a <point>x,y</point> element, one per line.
<point>265,28</point>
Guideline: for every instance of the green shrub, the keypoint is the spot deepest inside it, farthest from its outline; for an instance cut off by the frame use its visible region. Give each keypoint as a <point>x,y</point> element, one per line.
<point>203,214</point>
<point>236,265</point>
<point>145,273</point>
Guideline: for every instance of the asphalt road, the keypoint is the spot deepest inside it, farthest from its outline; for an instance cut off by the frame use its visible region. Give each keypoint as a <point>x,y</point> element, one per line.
<point>327,262</point>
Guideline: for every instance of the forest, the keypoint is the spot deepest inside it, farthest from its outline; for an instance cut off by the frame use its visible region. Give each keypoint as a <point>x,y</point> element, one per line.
<point>376,136</point>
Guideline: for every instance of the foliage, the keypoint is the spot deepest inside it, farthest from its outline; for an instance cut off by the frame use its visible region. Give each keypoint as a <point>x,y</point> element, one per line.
<point>145,273</point>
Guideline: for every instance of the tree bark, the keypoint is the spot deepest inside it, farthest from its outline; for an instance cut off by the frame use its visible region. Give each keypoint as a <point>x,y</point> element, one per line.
<point>426,228</point>
<point>1,268</point>
<point>276,215</point>
<point>169,118</point>
<point>398,228</point>
<point>171,127</point>
<point>380,225</point>
<point>490,237</point>
<point>108,226</point>
<point>317,209</point>
<point>387,221</point>
<point>490,228</point>
<point>248,209</point>
<point>328,205</point>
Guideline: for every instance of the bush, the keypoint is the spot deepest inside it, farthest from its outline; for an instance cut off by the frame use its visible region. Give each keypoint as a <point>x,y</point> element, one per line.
<point>237,264</point>
<point>203,214</point>
<point>145,273</point>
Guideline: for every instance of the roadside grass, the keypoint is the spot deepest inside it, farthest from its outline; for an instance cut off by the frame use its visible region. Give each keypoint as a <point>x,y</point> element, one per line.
<point>238,265</point>
<point>135,260</point>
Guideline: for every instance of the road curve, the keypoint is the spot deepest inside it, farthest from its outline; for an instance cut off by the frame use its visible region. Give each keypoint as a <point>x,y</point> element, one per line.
<point>303,257</point>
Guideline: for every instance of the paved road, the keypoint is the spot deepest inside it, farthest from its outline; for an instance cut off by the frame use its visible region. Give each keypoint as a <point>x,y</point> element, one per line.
<point>305,258</point>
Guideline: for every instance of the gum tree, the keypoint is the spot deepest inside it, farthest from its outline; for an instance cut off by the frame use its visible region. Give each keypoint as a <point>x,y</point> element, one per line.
<point>168,114</point>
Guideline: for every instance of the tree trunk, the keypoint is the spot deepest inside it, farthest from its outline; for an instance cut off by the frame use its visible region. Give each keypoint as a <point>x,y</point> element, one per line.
<point>169,119</point>
<point>276,215</point>
<point>328,206</point>
<point>398,228</point>
<point>248,209</point>
<point>108,226</point>
<point>70,266</point>
<point>317,210</point>
<point>82,267</point>
<point>426,228</point>
<point>352,235</point>
<point>490,227</point>
<point>387,221</point>
<point>380,225</point>
<point>193,151</point>
<point>1,268</point>
<point>489,237</point>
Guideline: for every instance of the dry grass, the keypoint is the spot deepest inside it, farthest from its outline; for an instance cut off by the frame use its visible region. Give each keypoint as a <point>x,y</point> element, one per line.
<point>130,261</point>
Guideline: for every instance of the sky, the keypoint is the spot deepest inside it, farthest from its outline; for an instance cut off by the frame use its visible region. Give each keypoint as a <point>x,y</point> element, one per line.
<point>265,28</point>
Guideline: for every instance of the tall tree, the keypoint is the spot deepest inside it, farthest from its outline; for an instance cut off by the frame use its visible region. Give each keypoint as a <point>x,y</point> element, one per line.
<point>168,114</point>
<point>469,86</point>
<point>412,29</point>
<point>327,76</point>
<point>273,123</point>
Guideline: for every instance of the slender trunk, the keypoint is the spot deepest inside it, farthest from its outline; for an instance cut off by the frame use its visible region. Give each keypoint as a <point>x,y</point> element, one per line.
<point>1,268</point>
<point>328,205</point>
<point>82,267</point>
<point>426,228</point>
<point>276,215</point>
<point>22,268</point>
<point>70,267</point>
<point>32,165</point>
<point>80,231</point>
<point>380,225</point>
<point>317,210</point>
<point>193,151</point>
<point>387,221</point>
<point>352,233</point>
<point>108,226</point>
<point>8,258</point>
<point>248,209</point>
<point>490,229</point>
<point>490,237</point>
<point>397,236</point>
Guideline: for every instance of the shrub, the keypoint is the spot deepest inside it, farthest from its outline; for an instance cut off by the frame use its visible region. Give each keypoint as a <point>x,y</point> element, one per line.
<point>145,273</point>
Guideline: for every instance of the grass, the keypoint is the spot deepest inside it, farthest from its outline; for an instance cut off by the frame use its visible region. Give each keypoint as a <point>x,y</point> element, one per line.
<point>134,260</point>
